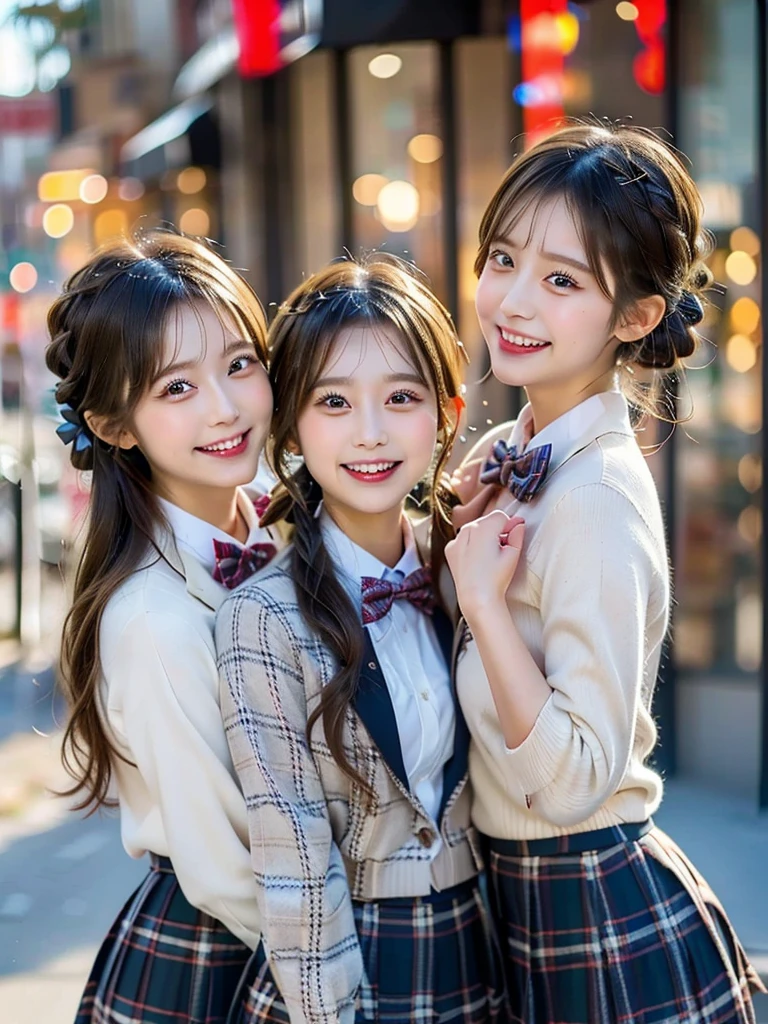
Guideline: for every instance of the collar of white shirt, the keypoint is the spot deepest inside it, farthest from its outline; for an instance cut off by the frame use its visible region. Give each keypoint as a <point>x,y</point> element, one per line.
<point>197,536</point>
<point>606,413</point>
<point>354,562</point>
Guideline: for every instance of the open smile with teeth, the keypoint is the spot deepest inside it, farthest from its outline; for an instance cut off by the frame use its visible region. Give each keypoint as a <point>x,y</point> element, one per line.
<point>370,467</point>
<point>224,446</point>
<point>521,340</point>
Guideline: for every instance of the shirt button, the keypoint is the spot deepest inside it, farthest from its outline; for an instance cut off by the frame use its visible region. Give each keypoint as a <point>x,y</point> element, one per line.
<point>425,694</point>
<point>426,837</point>
<point>372,664</point>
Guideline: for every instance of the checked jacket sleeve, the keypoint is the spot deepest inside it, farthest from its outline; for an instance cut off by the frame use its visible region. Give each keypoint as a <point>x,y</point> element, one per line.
<point>305,907</point>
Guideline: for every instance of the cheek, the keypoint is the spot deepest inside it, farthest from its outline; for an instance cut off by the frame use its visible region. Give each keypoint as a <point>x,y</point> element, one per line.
<point>486,297</point>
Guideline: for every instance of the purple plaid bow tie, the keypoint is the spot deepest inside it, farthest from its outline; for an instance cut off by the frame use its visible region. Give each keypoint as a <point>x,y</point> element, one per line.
<point>378,595</point>
<point>522,474</point>
<point>235,564</point>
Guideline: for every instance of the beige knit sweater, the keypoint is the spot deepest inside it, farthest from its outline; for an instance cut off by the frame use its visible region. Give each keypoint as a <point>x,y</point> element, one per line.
<point>591,601</point>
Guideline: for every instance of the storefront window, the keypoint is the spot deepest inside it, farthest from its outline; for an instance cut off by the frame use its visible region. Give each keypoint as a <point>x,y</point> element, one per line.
<point>397,153</point>
<point>718,621</point>
<point>315,166</point>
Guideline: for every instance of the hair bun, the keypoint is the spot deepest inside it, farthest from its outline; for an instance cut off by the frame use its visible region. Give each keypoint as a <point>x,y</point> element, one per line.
<point>674,338</point>
<point>690,308</point>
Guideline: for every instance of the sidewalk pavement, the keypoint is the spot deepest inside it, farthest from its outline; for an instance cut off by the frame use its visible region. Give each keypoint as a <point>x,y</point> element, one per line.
<point>725,836</point>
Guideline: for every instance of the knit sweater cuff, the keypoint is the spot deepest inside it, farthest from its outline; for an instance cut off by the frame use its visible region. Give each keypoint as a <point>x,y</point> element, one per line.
<point>537,760</point>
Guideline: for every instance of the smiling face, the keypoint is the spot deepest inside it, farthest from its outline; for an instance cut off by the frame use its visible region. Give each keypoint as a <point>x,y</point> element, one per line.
<point>368,430</point>
<point>203,422</point>
<point>547,322</point>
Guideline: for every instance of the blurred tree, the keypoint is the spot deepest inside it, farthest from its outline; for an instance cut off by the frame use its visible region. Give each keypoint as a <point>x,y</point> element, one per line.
<point>46,25</point>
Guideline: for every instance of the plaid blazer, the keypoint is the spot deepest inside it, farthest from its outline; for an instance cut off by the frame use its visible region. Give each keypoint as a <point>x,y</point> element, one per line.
<point>315,842</point>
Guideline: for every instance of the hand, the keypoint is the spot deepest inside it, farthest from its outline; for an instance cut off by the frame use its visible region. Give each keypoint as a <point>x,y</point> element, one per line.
<point>483,559</point>
<point>473,496</point>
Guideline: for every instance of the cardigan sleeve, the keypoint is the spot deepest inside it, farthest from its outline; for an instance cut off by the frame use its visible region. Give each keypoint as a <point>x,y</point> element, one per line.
<point>597,559</point>
<point>304,901</point>
<point>162,702</point>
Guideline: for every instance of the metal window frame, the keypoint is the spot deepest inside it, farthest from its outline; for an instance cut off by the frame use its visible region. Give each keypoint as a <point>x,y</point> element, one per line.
<point>761,19</point>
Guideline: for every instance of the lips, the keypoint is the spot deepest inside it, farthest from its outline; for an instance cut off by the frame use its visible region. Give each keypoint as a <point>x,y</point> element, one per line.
<point>228,447</point>
<point>520,344</point>
<point>371,472</point>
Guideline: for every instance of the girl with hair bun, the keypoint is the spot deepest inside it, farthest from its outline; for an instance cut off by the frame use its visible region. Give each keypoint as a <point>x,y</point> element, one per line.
<point>160,350</point>
<point>591,275</point>
<point>339,704</point>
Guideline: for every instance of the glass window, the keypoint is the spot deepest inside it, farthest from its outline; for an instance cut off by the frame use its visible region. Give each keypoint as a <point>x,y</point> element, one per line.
<point>314,141</point>
<point>397,153</point>
<point>718,621</point>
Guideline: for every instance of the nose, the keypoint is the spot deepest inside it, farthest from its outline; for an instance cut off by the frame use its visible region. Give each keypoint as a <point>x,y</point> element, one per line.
<point>222,406</point>
<point>370,429</point>
<point>516,301</point>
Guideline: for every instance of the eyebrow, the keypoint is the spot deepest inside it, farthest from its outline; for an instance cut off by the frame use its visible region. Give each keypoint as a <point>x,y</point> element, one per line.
<point>235,345</point>
<point>392,378</point>
<point>556,257</point>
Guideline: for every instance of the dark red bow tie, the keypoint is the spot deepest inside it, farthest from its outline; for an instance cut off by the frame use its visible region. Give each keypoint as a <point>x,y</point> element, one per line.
<point>235,564</point>
<point>378,595</point>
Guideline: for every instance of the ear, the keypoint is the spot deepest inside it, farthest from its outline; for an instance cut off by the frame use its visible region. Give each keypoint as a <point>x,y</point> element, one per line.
<point>100,426</point>
<point>641,318</point>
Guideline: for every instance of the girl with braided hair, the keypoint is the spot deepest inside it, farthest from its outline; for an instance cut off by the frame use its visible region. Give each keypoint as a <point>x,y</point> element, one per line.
<point>338,701</point>
<point>160,350</point>
<point>591,272</point>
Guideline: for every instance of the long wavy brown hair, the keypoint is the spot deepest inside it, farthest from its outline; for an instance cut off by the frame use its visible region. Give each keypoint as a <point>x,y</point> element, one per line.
<point>380,290</point>
<point>107,346</point>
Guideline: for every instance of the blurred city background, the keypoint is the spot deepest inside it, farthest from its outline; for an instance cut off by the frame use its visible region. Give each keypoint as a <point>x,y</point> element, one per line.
<point>288,131</point>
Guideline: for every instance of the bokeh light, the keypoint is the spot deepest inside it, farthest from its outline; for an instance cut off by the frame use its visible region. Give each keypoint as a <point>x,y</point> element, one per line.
<point>741,268</point>
<point>745,315</point>
<point>425,149</point>
<point>195,221</point>
<point>23,277</point>
<point>130,189</point>
<point>398,206</point>
<point>740,352</point>
<point>744,238</point>
<point>109,224</point>
<point>385,65</point>
<point>191,180</point>
<point>93,188</point>
<point>58,220</point>
<point>367,187</point>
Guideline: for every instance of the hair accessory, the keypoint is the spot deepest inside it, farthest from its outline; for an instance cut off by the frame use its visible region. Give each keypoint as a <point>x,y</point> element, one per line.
<point>690,308</point>
<point>73,429</point>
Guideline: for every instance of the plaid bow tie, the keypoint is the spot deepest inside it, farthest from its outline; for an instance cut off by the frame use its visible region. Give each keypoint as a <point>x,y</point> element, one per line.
<point>378,595</point>
<point>522,474</point>
<point>235,564</point>
<point>261,505</point>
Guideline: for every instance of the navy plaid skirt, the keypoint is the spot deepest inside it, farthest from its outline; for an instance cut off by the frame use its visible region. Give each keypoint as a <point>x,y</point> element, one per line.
<point>432,959</point>
<point>615,926</point>
<point>164,961</point>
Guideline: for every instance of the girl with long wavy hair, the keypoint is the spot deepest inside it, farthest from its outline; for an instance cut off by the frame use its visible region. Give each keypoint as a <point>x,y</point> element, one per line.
<point>591,268</point>
<point>337,693</point>
<point>160,350</point>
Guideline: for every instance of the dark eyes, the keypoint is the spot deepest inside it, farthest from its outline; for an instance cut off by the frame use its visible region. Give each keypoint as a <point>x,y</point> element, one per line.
<point>501,259</point>
<point>334,401</point>
<point>182,386</point>
<point>561,279</point>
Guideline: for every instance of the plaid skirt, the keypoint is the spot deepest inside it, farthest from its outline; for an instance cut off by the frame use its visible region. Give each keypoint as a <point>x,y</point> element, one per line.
<point>164,961</point>
<point>614,926</point>
<point>431,959</point>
